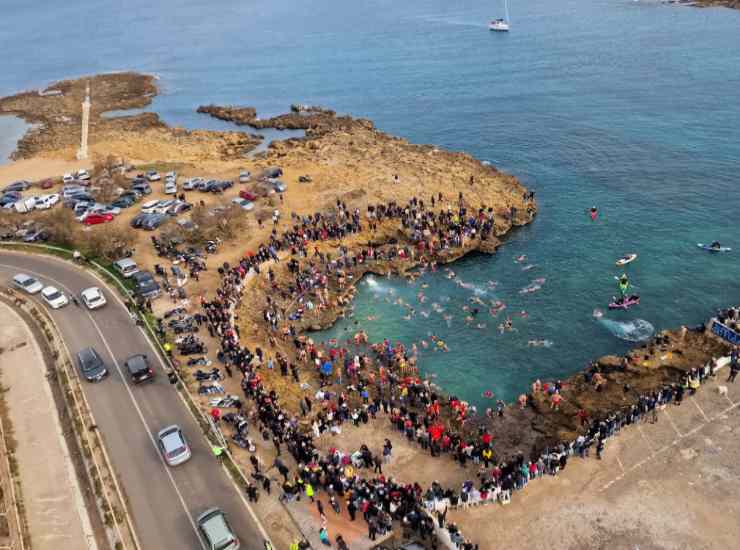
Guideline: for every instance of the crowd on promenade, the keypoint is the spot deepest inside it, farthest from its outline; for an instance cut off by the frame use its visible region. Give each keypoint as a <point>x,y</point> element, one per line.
<point>385,385</point>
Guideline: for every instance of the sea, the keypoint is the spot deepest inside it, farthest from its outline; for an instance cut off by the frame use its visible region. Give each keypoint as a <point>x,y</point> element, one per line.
<point>630,106</point>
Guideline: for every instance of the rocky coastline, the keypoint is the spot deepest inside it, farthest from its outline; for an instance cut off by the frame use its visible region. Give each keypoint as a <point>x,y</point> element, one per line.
<point>55,114</point>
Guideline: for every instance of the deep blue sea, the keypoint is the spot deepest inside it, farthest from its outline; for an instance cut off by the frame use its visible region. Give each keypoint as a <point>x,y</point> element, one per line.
<point>631,106</point>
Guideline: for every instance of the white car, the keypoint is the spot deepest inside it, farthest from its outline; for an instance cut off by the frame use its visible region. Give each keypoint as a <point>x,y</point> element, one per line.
<point>244,204</point>
<point>244,176</point>
<point>163,206</point>
<point>149,206</point>
<point>27,283</point>
<point>152,176</point>
<point>44,202</point>
<point>83,175</point>
<point>93,297</point>
<point>68,178</point>
<point>54,297</point>
<point>170,188</point>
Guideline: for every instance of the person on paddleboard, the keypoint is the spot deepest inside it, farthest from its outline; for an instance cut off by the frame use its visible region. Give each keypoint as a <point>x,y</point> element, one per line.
<point>624,284</point>
<point>593,213</point>
<point>715,245</point>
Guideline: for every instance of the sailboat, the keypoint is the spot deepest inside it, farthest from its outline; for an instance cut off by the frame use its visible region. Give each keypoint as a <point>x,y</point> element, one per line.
<point>501,25</point>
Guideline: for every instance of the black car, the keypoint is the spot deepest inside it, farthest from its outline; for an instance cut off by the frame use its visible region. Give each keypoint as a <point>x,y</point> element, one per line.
<point>11,197</point>
<point>153,221</point>
<point>138,220</point>
<point>145,285</point>
<point>17,186</point>
<point>138,368</point>
<point>91,365</point>
<point>123,202</point>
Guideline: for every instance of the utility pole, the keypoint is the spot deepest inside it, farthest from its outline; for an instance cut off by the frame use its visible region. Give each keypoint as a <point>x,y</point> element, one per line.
<point>82,152</point>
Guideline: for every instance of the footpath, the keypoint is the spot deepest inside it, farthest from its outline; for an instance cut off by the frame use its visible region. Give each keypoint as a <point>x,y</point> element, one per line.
<point>54,505</point>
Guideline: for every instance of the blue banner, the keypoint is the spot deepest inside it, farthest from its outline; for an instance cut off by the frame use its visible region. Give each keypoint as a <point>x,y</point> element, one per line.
<point>726,333</point>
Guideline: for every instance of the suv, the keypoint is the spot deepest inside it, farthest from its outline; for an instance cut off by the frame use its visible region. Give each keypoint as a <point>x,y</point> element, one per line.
<point>138,368</point>
<point>216,530</point>
<point>91,365</point>
<point>145,285</point>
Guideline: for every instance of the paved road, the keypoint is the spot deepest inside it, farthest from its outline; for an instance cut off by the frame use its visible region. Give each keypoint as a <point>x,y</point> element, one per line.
<point>164,501</point>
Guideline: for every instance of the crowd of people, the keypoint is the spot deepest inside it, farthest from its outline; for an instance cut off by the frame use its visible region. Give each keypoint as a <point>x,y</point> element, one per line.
<point>383,382</point>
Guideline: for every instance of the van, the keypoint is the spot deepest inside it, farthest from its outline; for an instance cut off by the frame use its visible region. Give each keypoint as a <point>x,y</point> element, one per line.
<point>126,267</point>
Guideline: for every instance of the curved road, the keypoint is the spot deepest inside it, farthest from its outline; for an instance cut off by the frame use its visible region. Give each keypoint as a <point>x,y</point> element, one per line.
<point>163,501</point>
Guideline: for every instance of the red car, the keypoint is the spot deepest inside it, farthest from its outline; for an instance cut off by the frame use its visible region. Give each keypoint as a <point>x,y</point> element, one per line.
<point>47,184</point>
<point>244,194</point>
<point>95,219</point>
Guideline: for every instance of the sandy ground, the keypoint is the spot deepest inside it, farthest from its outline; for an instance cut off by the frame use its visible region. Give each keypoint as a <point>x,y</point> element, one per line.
<point>54,506</point>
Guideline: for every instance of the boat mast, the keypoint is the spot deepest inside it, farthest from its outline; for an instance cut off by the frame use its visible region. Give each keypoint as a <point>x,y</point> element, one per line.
<point>506,9</point>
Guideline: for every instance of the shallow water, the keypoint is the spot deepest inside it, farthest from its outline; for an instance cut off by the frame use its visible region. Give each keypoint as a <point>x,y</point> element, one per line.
<point>11,130</point>
<point>631,106</point>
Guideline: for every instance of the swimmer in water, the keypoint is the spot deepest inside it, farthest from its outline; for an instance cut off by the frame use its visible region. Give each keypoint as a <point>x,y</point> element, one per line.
<point>425,314</point>
<point>523,314</point>
<point>469,319</point>
<point>424,285</point>
<point>424,344</point>
<point>520,259</point>
<point>492,284</point>
<point>528,267</point>
<point>480,326</point>
<point>371,317</point>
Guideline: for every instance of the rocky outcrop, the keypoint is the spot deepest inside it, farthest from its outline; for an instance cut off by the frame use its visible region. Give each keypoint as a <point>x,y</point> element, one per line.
<point>56,116</point>
<point>734,4</point>
<point>316,119</point>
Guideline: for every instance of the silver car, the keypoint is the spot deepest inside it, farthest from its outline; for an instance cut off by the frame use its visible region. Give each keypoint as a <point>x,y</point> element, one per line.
<point>27,283</point>
<point>173,445</point>
<point>216,530</point>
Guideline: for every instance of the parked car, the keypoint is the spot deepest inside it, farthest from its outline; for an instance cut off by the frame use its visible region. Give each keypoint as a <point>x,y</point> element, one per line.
<point>173,445</point>
<point>193,183</point>
<point>54,297</point>
<point>244,194</point>
<point>145,285</point>
<point>153,221</point>
<point>25,205</point>
<point>92,367</point>
<point>44,202</point>
<point>278,185</point>
<point>96,219</point>
<point>216,531</point>
<point>244,204</point>
<point>271,172</point>
<point>123,202</point>
<point>138,368</point>
<point>152,176</point>
<point>82,174</point>
<point>244,176</point>
<point>170,188</point>
<point>163,206</point>
<point>93,298</point>
<point>27,283</point>
<point>17,186</point>
<point>46,184</point>
<point>143,188</point>
<point>137,220</point>
<point>149,206</point>
<point>178,208</point>
<point>67,178</point>
<point>126,267</point>
<point>36,235</point>
<point>9,199</point>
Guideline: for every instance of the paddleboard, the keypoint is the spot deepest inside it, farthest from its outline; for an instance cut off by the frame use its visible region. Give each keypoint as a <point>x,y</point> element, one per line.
<point>624,260</point>
<point>710,249</point>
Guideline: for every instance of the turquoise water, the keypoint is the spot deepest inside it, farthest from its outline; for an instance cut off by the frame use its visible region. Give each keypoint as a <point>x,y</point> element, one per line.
<point>632,106</point>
